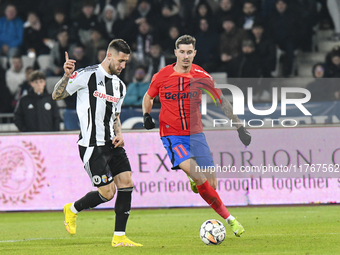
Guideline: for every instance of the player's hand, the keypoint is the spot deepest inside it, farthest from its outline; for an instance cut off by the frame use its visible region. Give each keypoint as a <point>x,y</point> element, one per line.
<point>69,65</point>
<point>148,123</point>
<point>244,135</point>
<point>118,141</point>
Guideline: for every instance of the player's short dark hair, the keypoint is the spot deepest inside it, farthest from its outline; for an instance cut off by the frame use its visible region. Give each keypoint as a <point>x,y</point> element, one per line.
<point>120,45</point>
<point>37,75</point>
<point>185,39</point>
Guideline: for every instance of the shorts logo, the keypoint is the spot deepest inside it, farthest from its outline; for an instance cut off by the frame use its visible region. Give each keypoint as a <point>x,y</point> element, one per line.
<point>96,179</point>
<point>109,177</point>
<point>104,178</point>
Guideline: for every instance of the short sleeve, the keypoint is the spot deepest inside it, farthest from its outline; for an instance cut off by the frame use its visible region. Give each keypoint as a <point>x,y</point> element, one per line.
<point>121,100</point>
<point>211,83</point>
<point>76,82</point>
<point>154,86</point>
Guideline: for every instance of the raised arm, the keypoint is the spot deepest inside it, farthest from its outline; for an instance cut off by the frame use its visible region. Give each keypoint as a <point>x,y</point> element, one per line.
<point>59,91</point>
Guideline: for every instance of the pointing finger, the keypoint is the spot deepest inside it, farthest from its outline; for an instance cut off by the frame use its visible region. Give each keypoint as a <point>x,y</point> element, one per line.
<point>66,56</point>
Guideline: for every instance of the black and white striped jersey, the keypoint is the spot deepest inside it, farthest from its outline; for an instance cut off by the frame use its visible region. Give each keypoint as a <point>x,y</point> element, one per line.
<point>99,96</point>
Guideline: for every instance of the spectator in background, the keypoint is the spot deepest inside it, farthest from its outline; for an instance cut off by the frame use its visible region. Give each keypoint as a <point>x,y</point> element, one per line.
<point>143,41</point>
<point>57,54</point>
<point>60,22</point>
<point>97,41</point>
<point>155,61</point>
<point>144,12</point>
<point>137,89</point>
<point>15,75</point>
<point>206,46</point>
<point>34,35</point>
<point>284,27</point>
<point>334,11</point>
<point>247,64</point>
<point>110,23</point>
<point>307,13</point>
<point>78,54</point>
<point>320,89</point>
<point>265,48</point>
<point>168,43</point>
<point>230,42</point>
<point>5,95</point>
<point>24,87</point>
<point>70,116</point>
<point>101,55</point>
<point>37,112</point>
<point>249,15</point>
<point>203,11</point>
<point>86,21</point>
<point>225,10</point>
<point>46,8</point>
<point>186,11</point>
<point>333,63</point>
<point>11,32</point>
<point>168,19</point>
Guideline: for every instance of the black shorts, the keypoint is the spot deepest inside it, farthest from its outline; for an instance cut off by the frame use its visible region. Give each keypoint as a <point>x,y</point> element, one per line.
<point>102,163</point>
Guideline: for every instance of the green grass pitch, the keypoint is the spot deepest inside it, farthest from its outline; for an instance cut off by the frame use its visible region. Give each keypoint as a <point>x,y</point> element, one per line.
<point>269,230</point>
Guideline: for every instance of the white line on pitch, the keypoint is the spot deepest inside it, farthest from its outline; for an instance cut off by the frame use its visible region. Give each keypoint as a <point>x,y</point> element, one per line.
<point>37,239</point>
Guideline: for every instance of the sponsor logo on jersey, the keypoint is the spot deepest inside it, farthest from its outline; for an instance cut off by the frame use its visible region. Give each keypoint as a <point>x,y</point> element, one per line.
<point>74,75</point>
<point>166,87</point>
<point>101,83</point>
<point>106,97</point>
<point>180,95</point>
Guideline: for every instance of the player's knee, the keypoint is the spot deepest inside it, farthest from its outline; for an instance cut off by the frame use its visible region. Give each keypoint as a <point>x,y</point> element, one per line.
<point>107,194</point>
<point>126,184</point>
<point>110,195</point>
<point>213,183</point>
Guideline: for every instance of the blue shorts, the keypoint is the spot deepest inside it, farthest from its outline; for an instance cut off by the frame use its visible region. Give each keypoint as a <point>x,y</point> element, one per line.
<point>181,148</point>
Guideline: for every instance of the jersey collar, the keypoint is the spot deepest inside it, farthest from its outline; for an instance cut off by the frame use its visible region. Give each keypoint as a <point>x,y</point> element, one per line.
<point>106,73</point>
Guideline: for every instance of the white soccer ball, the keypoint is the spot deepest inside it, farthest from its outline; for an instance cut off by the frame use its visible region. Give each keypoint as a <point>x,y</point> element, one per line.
<point>212,232</point>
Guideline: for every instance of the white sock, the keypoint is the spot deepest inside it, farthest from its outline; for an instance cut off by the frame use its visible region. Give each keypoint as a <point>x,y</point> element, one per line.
<point>73,209</point>
<point>119,233</point>
<point>229,219</point>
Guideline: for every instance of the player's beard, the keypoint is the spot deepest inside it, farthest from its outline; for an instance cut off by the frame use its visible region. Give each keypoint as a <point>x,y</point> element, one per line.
<point>186,64</point>
<point>113,70</point>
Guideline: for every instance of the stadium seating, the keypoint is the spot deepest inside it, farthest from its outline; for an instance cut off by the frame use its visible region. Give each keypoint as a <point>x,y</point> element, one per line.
<point>3,62</point>
<point>44,61</point>
<point>27,61</point>
<point>50,82</point>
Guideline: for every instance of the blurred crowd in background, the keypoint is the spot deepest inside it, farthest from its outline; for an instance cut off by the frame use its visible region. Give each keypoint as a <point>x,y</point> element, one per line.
<point>238,37</point>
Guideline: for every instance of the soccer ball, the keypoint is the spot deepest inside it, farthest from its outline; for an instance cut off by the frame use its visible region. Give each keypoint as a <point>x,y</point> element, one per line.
<point>212,232</point>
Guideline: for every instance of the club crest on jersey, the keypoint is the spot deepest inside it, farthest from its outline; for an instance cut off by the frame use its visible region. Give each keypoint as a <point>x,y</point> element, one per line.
<point>106,97</point>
